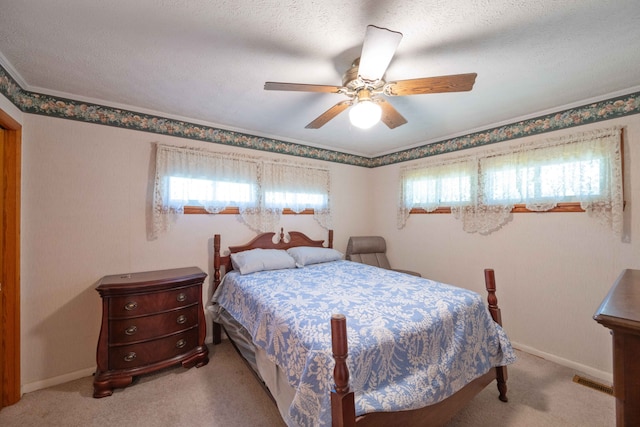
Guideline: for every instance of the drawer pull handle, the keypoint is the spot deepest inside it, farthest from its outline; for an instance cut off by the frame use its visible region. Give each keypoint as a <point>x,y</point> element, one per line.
<point>131,305</point>
<point>181,343</point>
<point>129,357</point>
<point>131,330</point>
<point>181,296</point>
<point>181,319</point>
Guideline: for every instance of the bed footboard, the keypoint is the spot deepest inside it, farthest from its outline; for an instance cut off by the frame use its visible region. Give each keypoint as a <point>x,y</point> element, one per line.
<point>343,400</point>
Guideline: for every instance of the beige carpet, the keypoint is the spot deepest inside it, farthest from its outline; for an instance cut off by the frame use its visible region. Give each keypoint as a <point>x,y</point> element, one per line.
<point>225,393</point>
<point>541,394</point>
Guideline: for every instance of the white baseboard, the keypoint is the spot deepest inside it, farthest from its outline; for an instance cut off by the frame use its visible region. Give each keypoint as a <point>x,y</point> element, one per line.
<point>50,382</point>
<point>592,372</point>
<point>595,373</point>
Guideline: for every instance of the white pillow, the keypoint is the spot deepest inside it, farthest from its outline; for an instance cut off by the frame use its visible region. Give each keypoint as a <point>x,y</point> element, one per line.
<point>261,260</point>
<point>307,255</point>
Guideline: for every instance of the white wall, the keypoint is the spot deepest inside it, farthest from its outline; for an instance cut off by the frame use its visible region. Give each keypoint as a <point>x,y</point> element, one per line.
<point>86,199</point>
<point>552,269</point>
<point>85,206</point>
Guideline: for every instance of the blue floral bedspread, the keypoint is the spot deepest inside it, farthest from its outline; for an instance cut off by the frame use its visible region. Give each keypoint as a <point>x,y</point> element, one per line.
<point>412,341</point>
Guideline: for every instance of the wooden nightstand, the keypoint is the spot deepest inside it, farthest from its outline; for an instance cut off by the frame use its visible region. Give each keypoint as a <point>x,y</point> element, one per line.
<point>150,321</point>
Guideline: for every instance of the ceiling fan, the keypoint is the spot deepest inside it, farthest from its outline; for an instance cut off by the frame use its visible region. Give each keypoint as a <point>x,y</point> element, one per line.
<point>365,86</point>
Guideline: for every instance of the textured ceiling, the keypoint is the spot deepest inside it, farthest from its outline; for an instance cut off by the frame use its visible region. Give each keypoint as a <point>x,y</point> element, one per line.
<point>206,61</point>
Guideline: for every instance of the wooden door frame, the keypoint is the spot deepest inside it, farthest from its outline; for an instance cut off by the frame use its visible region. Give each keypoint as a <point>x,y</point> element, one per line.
<point>10,389</point>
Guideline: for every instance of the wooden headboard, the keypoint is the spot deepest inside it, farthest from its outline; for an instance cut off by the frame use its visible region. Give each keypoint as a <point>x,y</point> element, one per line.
<point>262,241</point>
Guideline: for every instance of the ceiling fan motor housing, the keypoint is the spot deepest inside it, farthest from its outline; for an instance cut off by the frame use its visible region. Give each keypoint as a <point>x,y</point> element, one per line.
<point>351,74</point>
<point>356,84</point>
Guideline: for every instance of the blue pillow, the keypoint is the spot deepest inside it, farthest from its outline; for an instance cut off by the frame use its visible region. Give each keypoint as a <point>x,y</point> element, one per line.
<point>307,255</point>
<point>255,260</point>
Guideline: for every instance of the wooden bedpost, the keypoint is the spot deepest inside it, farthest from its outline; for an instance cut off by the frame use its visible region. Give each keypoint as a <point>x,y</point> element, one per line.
<point>217,329</point>
<point>492,299</point>
<point>343,412</point>
<point>216,261</point>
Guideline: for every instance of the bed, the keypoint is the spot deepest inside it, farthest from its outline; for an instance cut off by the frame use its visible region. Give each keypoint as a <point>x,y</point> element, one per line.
<point>341,343</point>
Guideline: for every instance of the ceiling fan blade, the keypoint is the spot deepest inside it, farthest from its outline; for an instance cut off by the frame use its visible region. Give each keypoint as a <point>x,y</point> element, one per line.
<point>390,115</point>
<point>452,83</point>
<point>301,87</point>
<point>328,115</point>
<point>379,46</point>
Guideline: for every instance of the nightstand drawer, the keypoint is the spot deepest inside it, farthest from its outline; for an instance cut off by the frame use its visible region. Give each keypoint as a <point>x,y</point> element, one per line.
<point>147,327</point>
<point>141,304</point>
<point>146,353</point>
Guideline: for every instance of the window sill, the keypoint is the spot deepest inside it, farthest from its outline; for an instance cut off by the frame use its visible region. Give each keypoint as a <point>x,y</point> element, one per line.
<point>199,210</point>
<point>519,208</point>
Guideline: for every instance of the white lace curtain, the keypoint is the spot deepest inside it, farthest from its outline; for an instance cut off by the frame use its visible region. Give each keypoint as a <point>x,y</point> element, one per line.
<point>261,189</point>
<point>449,183</point>
<point>584,168</point>
<point>297,187</point>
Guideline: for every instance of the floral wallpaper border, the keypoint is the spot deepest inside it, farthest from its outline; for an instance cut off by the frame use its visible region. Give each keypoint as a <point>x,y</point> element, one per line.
<point>36,103</point>
<point>598,111</point>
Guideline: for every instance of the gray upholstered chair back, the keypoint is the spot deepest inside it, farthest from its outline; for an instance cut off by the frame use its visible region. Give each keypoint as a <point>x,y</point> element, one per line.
<point>371,250</point>
<point>368,250</point>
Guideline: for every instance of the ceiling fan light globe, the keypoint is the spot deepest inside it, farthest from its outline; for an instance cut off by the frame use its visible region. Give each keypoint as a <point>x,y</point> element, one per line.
<point>365,114</point>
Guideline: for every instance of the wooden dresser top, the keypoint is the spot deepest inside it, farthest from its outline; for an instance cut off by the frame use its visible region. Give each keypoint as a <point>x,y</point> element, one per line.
<point>150,279</point>
<point>621,307</point>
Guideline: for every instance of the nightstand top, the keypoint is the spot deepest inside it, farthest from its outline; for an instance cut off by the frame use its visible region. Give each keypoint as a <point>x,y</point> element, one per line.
<point>150,279</point>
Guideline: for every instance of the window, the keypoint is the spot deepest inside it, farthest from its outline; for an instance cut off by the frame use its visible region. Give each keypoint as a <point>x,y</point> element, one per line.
<point>447,189</point>
<point>564,173</point>
<point>295,187</point>
<point>195,194</point>
<point>448,184</point>
<point>285,199</point>
<point>581,172</point>
<point>194,191</point>
<point>259,190</point>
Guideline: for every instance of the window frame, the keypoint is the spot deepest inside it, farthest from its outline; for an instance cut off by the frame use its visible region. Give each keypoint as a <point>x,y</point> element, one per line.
<point>517,208</point>
<point>563,207</point>
<point>234,210</point>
